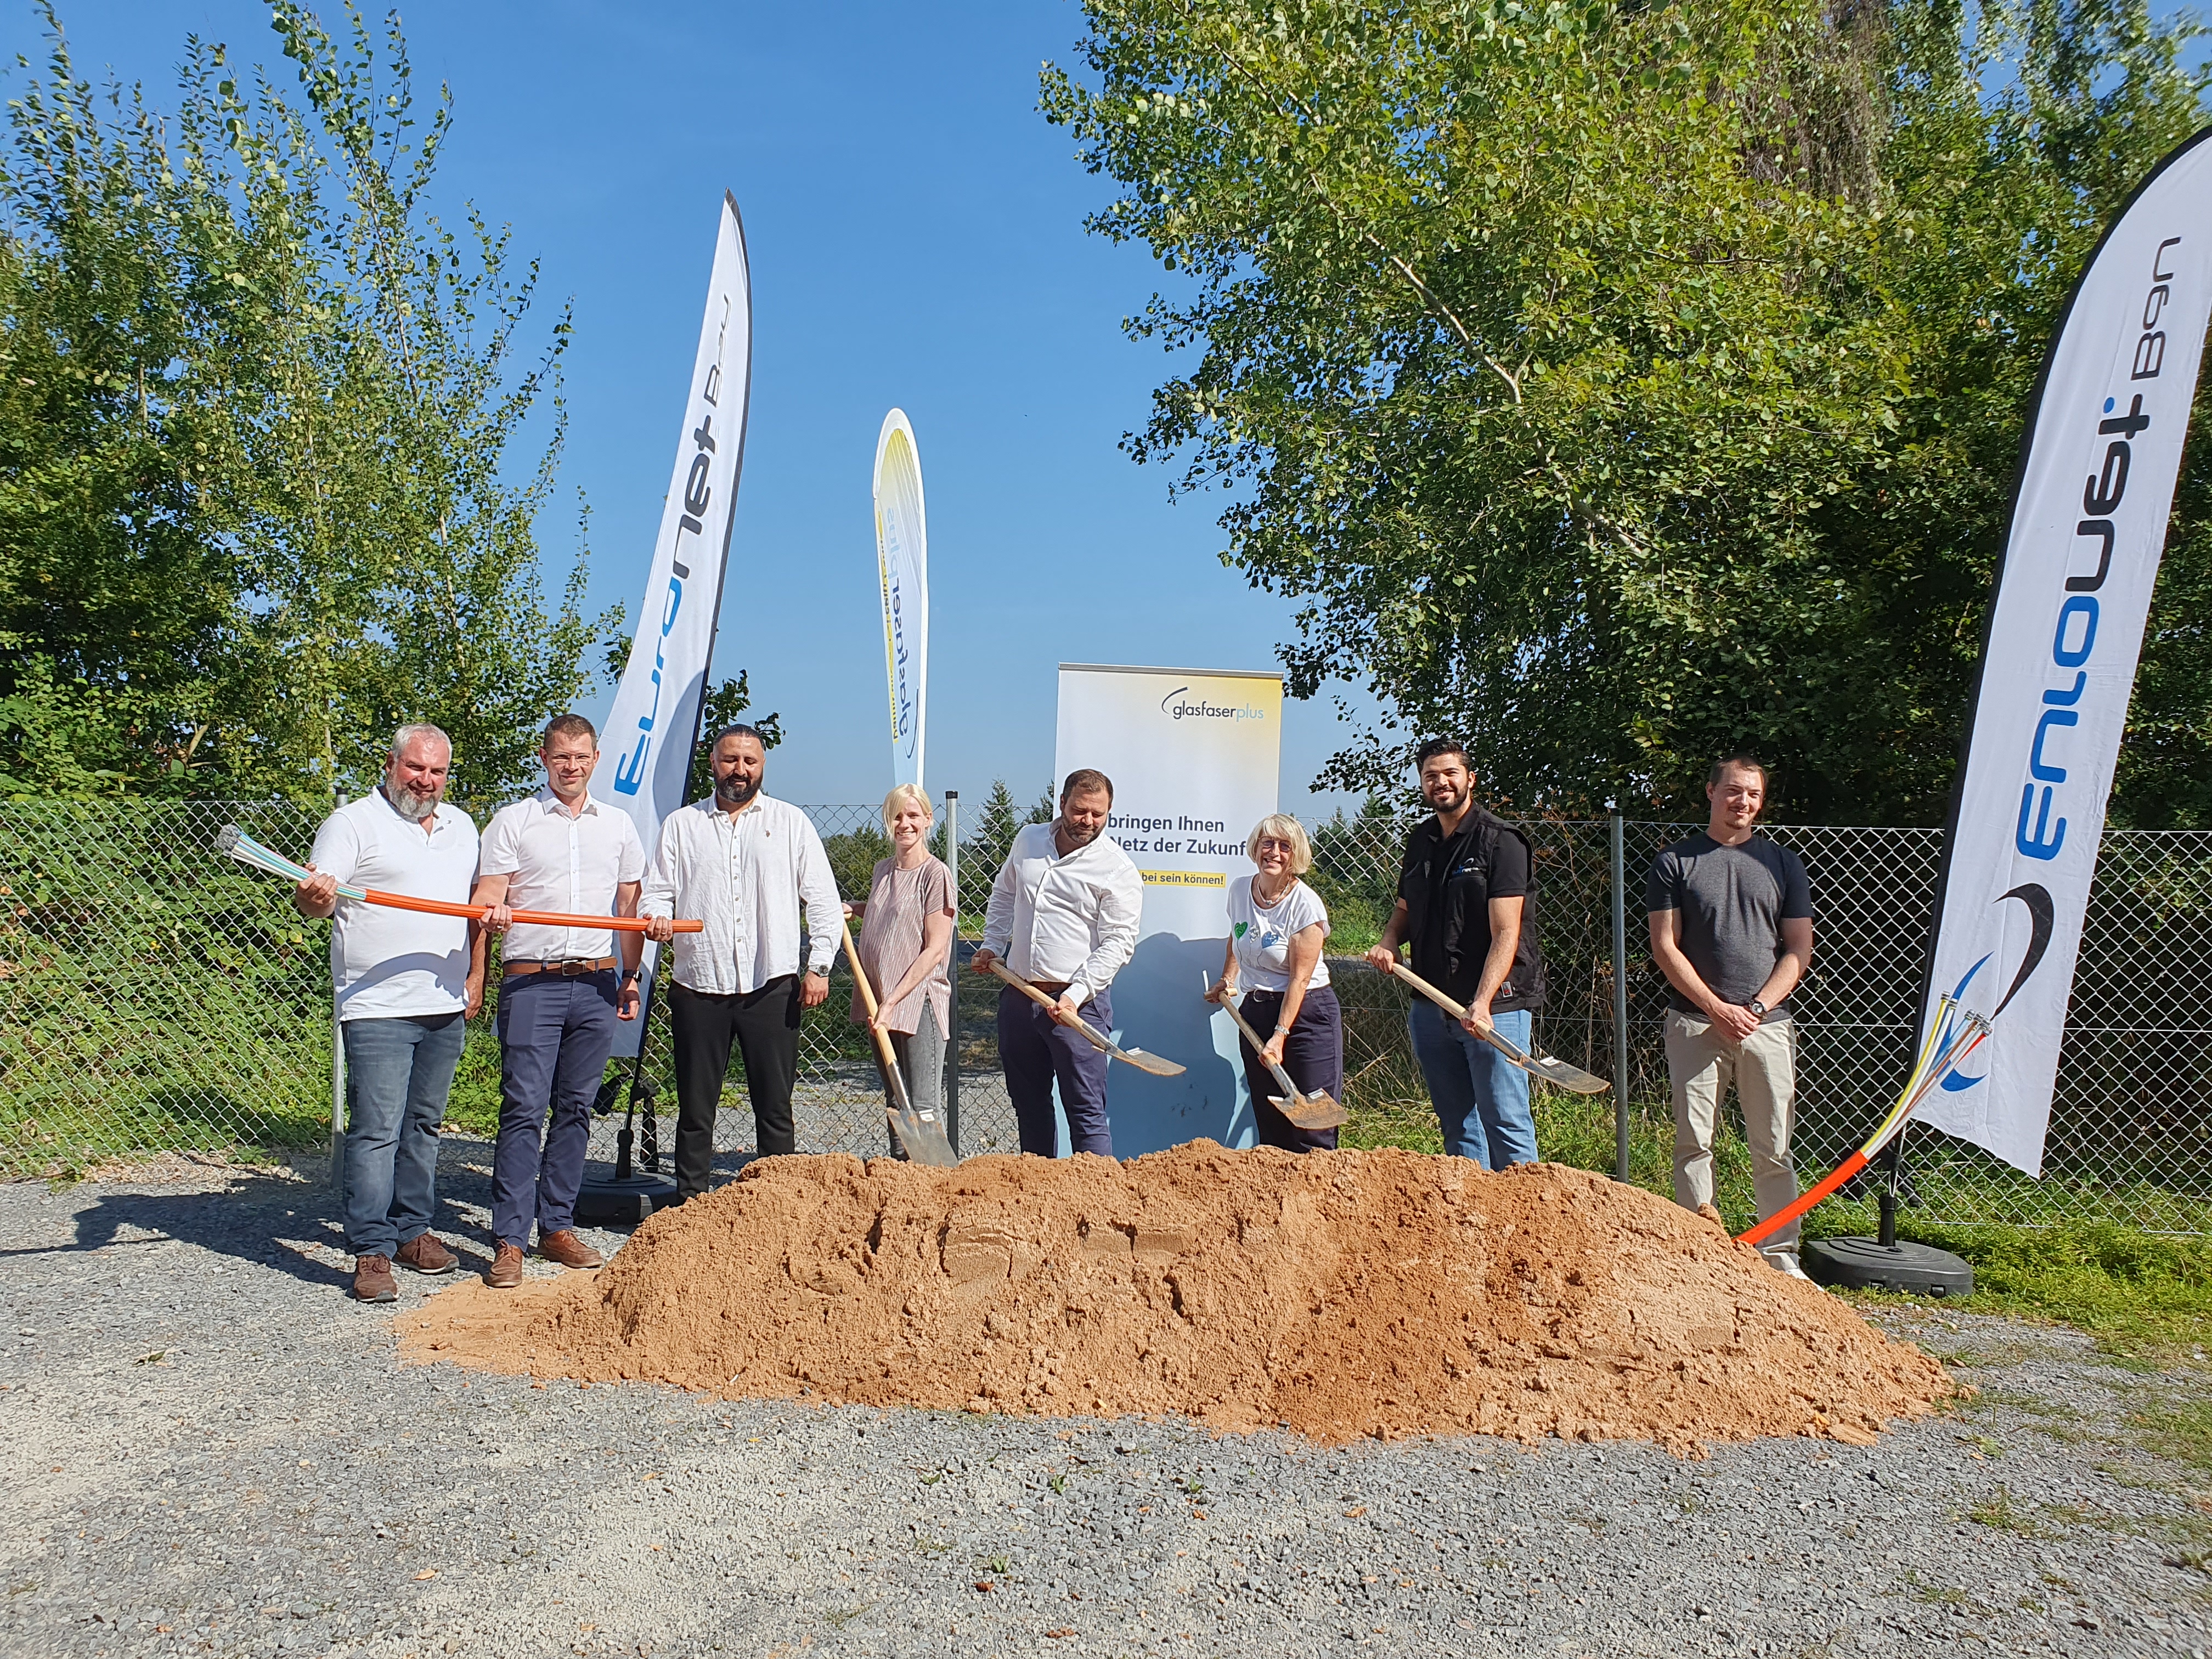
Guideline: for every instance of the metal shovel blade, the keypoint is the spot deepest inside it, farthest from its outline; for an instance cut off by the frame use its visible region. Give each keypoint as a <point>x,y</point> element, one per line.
<point>1552,1070</point>
<point>1144,1062</point>
<point>1317,1110</point>
<point>923,1137</point>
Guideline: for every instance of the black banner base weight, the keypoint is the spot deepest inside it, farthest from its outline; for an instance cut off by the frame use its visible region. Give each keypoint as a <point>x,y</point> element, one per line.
<point>623,1201</point>
<point>1867,1264</point>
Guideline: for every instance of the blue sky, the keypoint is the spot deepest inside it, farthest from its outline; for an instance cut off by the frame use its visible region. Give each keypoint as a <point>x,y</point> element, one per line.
<point>915,233</point>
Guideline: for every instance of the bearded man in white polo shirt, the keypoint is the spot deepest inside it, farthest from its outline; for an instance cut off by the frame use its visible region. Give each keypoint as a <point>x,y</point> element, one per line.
<point>402,983</point>
<point>1064,912</point>
<point>559,995</point>
<point>743,863</point>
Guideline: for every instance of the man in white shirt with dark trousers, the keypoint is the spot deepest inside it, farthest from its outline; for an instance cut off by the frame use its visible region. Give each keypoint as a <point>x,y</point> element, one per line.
<point>402,995</point>
<point>743,863</point>
<point>1063,914</point>
<point>559,993</point>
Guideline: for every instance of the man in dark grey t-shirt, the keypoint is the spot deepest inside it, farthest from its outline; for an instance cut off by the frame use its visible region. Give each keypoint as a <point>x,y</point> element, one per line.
<point>1731,918</point>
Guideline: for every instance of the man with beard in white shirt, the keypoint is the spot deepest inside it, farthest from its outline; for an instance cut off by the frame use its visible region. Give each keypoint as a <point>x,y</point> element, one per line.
<point>402,995</point>
<point>744,863</point>
<point>1063,914</point>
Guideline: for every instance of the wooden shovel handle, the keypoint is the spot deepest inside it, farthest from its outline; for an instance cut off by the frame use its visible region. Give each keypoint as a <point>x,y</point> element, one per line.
<point>1043,1001</point>
<point>1428,990</point>
<point>1022,985</point>
<point>1259,1047</point>
<point>868,1002</point>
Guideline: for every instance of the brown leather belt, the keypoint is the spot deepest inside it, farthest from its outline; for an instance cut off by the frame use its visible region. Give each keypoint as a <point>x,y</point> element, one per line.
<point>1052,987</point>
<point>573,967</point>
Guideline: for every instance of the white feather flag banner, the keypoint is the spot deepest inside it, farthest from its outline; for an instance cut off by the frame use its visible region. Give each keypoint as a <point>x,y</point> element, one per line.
<point>654,720</point>
<point>2066,624</point>
<point>903,565</point>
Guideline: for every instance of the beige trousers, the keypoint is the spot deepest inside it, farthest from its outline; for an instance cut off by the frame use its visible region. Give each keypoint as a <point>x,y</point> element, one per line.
<point>1701,1061</point>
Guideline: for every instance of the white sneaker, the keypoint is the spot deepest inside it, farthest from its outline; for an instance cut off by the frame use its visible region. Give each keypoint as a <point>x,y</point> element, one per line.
<point>1785,1263</point>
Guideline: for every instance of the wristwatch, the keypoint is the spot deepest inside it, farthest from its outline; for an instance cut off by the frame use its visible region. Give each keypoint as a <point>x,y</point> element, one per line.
<point>630,975</point>
<point>1757,1007</point>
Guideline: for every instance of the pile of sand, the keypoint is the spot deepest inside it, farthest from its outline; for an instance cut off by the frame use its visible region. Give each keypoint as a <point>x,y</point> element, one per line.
<point>1346,1294</point>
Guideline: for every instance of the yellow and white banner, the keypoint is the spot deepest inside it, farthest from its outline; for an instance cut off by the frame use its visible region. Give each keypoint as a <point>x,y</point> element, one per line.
<point>902,567</point>
<point>1195,756</point>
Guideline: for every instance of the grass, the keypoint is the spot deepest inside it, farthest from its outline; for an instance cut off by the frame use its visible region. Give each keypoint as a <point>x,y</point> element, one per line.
<point>2146,1296</point>
<point>2178,1429</point>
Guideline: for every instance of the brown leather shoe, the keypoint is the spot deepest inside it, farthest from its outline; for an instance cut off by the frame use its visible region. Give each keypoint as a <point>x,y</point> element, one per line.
<point>506,1268</point>
<point>426,1254</point>
<point>373,1280</point>
<point>570,1251</point>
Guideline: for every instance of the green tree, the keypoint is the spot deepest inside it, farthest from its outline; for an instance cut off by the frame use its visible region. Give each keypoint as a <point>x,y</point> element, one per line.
<point>257,503</point>
<point>1615,385</point>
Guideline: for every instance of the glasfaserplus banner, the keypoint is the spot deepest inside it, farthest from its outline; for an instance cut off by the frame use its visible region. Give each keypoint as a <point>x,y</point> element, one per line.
<point>2065,627</point>
<point>1194,754</point>
<point>903,565</point>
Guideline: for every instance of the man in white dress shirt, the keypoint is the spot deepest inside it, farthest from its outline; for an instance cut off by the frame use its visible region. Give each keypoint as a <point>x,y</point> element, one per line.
<point>1063,915</point>
<point>743,863</point>
<point>559,995</point>
<point>403,994</point>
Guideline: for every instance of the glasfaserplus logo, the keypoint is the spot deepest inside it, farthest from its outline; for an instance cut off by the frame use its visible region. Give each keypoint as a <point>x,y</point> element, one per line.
<point>1177,706</point>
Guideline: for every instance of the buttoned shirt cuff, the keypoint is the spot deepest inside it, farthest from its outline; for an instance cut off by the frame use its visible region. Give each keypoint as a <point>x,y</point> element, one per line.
<point>821,967</point>
<point>1079,990</point>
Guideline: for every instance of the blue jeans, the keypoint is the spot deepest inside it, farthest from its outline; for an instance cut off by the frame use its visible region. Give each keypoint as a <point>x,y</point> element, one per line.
<point>1482,1097</point>
<point>398,1073</point>
<point>555,1034</point>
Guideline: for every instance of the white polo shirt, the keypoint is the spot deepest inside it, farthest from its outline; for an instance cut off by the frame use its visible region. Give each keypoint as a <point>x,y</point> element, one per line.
<point>557,862</point>
<point>1072,918</point>
<point>388,963</point>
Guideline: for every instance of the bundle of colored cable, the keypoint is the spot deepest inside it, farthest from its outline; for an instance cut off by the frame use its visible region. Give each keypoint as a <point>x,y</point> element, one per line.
<point>1955,1033</point>
<point>246,850</point>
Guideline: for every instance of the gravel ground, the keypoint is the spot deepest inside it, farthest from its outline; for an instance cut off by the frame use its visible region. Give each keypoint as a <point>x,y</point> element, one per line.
<point>209,1449</point>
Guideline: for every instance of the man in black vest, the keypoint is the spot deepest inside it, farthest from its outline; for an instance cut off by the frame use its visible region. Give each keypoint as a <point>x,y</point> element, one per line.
<point>1467,904</point>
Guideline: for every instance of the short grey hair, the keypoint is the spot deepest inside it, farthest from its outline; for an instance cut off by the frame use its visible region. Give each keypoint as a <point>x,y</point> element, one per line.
<point>1281,826</point>
<point>414,729</point>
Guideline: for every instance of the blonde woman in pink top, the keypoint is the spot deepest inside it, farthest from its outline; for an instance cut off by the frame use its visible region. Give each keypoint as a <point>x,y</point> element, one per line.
<point>905,942</point>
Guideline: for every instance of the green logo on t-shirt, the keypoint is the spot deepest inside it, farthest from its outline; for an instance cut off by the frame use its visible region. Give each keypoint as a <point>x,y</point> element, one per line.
<point>1240,927</point>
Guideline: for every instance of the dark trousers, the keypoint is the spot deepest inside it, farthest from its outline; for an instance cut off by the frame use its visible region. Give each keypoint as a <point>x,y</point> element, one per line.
<point>1313,1054</point>
<point>764,1025</point>
<point>1036,1051</point>
<point>555,1035</point>
<point>398,1073</point>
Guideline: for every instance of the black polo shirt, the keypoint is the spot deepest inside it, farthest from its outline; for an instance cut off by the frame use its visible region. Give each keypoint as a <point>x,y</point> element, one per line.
<point>1448,882</point>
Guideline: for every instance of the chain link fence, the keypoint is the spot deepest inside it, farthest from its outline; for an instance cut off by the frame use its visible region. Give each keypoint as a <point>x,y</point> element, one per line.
<point>156,996</point>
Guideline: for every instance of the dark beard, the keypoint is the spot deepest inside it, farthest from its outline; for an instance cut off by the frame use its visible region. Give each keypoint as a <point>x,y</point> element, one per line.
<point>734,791</point>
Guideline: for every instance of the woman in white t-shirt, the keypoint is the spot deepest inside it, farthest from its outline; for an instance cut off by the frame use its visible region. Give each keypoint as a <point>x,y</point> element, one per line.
<point>1277,926</point>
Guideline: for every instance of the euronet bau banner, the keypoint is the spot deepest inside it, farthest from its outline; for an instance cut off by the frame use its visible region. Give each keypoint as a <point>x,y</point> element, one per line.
<point>646,749</point>
<point>2065,628</point>
<point>1195,756</point>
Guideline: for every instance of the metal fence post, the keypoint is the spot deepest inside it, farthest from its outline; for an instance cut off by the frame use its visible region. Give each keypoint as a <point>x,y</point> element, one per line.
<point>1619,1002</point>
<point>337,1099</point>
<point>952,974</point>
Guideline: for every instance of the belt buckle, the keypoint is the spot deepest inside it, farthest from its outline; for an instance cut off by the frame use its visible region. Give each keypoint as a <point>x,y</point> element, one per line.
<point>573,967</point>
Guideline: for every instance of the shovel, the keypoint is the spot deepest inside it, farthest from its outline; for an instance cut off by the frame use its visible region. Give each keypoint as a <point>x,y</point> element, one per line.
<point>920,1132</point>
<point>1317,1110</point>
<point>1136,1057</point>
<point>1572,1078</point>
